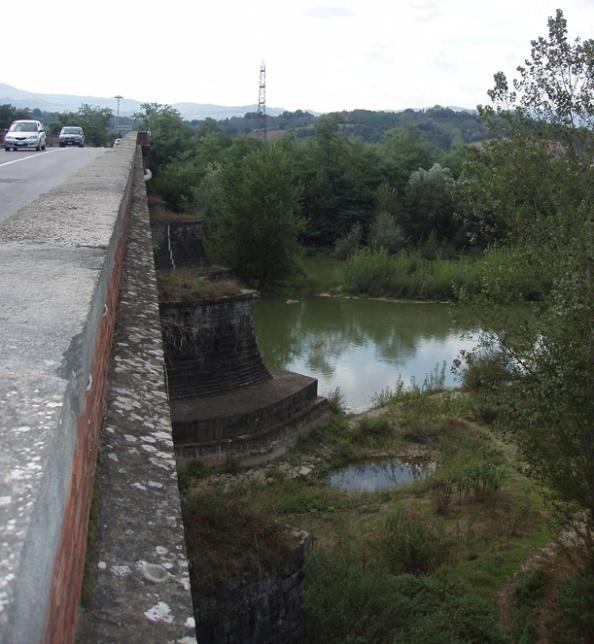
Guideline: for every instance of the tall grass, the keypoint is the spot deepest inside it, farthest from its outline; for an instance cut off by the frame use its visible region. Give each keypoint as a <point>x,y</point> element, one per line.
<point>501,271</point>
<point>348,602</point>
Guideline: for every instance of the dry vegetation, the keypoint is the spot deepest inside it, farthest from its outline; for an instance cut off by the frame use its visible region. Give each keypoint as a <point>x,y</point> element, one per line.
<point>191,284</point>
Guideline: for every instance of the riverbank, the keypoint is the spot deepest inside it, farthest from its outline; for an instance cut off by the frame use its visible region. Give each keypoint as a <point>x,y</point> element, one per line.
<point>420,561</point>
<point>411,276</point>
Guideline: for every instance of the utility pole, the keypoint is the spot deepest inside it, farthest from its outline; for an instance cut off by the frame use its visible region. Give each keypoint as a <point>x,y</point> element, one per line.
<point>262,97</point>
<point>118,99</point>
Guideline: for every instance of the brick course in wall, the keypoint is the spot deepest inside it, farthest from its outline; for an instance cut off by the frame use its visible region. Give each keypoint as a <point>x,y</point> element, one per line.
<point>69,566</point>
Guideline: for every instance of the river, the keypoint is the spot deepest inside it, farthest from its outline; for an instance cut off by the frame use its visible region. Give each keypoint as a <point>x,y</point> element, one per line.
<point>361,346</point>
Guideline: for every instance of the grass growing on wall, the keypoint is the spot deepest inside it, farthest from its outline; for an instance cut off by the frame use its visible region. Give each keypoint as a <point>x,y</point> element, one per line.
<point>189,285</point>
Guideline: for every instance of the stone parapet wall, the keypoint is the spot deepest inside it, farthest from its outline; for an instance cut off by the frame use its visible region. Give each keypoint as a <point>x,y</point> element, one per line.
<point>137,585</point>
<point>60,265</point>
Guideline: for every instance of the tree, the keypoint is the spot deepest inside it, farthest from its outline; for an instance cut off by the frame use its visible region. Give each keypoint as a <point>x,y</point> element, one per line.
<point>9,113</point>
<point>257,225</point>
<point>404,150</point>
<point>170,134</point>
<point>545,121</point>
<point>339,177</point>
<point>430,197</point>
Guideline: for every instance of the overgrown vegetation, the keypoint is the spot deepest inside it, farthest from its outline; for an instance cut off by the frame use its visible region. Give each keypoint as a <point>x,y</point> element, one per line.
<point>189,285</point>
<point>391,566</point>
<point>226,539</point>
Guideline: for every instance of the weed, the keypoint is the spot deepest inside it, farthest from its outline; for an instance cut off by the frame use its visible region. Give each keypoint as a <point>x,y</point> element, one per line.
<point>414,546</point>
<point>188,285</point>
<point>348,601</point>
<point>441,494</point>
<point>298,499</point>
<point>225,539</point>
<point>336,401</point>
<point>575,614</point>
<point>231,465</point>
<point>372,428</point>
<point>194,471</point>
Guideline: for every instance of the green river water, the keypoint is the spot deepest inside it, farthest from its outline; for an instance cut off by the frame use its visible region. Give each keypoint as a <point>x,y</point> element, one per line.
<point>361,346</point>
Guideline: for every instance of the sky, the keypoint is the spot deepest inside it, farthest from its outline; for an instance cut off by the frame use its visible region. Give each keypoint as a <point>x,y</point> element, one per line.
<point>321,56</point>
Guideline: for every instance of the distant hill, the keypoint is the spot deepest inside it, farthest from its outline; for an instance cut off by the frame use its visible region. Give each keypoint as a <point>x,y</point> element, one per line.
<point>69,102</point>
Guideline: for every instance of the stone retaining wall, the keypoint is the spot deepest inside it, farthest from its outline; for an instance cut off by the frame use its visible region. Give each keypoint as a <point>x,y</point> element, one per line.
<point>211,347</point>
<point>178,244</point>
<point>256,609</point>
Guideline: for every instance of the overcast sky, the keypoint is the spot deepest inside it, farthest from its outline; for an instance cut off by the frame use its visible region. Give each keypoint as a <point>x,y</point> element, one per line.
<point>322,56</point>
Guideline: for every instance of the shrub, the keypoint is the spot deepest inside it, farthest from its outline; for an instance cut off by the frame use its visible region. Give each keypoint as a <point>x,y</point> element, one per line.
<point>441,495</point>
<point>372,427</point>
<point>194,471</point>
<point>485,371</point>
<point>345,246</point>
<point>414,546</point>
<point>225,539</point>
<point>348,602</point>
<point>575,614</point>
<point>336,401</point>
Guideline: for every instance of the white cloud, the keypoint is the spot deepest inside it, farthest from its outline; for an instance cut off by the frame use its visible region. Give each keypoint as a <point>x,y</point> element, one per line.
<point>373,54</point>
<point>328,11</point>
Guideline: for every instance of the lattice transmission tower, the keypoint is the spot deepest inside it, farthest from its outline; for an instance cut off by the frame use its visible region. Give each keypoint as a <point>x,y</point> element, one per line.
<point>262,96</point>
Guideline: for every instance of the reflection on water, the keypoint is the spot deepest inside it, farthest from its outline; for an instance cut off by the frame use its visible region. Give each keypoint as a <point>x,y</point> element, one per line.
<point>380,475</point>
<point>360,346</point>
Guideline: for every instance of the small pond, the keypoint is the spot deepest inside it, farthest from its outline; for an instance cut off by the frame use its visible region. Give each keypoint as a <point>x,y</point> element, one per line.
<point>374,476</point>
<point>361,346</point>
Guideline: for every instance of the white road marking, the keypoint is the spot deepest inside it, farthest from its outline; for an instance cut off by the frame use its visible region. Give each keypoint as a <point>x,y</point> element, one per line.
<point>31,156</point>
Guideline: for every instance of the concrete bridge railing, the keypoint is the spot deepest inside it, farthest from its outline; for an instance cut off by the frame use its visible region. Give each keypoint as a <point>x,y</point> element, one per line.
<point>61,262</point>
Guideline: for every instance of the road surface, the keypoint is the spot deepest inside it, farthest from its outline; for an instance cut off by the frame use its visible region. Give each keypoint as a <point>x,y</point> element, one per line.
<point>24,175</point>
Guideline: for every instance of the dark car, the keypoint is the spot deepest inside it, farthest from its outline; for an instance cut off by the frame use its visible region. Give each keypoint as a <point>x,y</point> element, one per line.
<point>72,135</point>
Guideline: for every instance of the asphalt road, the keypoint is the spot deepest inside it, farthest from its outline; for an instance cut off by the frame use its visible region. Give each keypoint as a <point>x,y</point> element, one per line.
<point>24,175</point>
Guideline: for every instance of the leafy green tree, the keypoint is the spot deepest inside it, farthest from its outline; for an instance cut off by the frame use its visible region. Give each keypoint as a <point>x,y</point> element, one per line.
<point>9,113</point>
<point>94,121</point>
<point>339,177</point>
<point>430,197</point>
<point>545,119</point>
<point>385,233</point>
<point>404,150</point>
<point>170,134</point>
<point>257,226</point>
<point>345,246</point>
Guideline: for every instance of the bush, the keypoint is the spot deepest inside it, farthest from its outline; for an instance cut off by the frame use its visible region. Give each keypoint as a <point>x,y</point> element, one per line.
<point>485,372</point>
<point>372,427</point>
<point>194,471</point>
<point>414,546</point>
<point>412,274</point>
<point>225,539</point>
<point>346,601</point>
<point>298,499</point>
<point>345,246</point>
<point>575,615</point>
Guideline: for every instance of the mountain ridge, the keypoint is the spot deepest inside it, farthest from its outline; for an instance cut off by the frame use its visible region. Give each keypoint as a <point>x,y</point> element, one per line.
<point>71,102</point>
